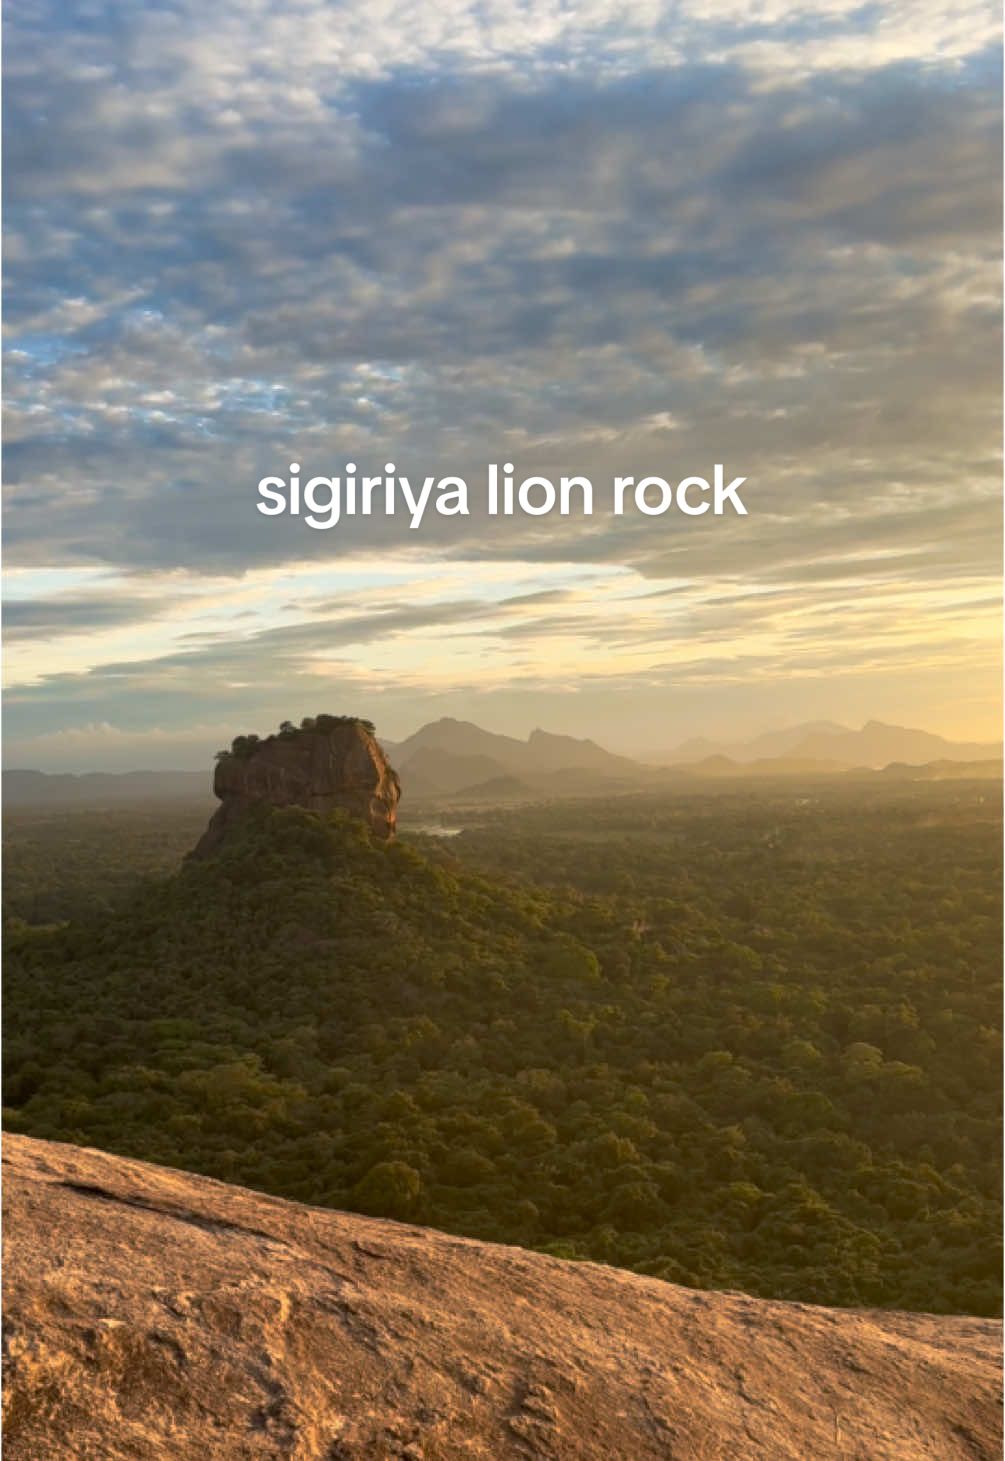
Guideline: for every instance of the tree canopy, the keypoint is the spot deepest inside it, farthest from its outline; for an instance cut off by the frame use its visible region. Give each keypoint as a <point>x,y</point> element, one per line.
<point>732,1040</point>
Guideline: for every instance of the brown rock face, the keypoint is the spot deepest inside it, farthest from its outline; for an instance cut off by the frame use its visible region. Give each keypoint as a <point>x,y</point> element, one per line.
<point>153,1314</point>
<point>335,767</point>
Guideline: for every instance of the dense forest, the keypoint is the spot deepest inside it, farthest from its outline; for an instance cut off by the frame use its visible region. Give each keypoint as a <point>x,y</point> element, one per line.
<point>743,1038</point>
<point>62,864</point>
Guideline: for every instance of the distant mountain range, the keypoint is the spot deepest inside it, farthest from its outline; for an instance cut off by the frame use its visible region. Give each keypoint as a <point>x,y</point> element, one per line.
<point>448,757</point>
<point>456,760</point>
<point>875,745</point>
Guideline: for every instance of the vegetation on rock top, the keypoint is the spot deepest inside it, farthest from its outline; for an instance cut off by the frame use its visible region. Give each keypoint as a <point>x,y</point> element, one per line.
<point>244,746</point>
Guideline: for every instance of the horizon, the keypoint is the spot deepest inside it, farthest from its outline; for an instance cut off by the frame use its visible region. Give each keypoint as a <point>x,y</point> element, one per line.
<point>188,762</point>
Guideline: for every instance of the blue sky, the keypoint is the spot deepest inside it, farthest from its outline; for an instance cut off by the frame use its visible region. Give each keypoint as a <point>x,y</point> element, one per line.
<point>603,238</point>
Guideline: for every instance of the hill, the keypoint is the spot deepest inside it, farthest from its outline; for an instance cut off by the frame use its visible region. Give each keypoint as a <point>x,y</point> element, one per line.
<point>150,1313</point>
<point>434,772</point>
<point>946,771</point>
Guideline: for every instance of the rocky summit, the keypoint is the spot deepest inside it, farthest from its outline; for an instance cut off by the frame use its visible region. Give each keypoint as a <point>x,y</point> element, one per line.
<point>149,1313</point>
<point>328,763</point>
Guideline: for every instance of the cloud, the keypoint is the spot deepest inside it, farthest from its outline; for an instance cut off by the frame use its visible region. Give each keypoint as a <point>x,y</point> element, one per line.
<point>583,239</point>
<point>76,614</point>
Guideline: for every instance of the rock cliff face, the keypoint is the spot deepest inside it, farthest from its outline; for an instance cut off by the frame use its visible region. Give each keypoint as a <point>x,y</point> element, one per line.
<point>335,765</point>
<point>149,1313</point>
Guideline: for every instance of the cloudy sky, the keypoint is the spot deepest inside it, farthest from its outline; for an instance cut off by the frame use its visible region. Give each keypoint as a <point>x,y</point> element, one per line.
<point>600,237</point>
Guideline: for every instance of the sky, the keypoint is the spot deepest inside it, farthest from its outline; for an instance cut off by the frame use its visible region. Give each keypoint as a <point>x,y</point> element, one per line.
<point>600,238</point>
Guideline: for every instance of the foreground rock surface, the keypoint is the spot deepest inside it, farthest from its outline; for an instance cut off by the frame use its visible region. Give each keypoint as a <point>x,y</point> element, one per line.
<point>154,1314</point>
<point>341,767</point>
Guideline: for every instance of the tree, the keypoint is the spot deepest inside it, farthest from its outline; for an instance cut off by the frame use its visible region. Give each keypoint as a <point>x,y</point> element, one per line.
<point>389,1189</point>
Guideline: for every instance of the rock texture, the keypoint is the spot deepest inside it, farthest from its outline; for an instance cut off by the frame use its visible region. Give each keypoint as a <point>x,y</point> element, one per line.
<point>338,767</point>
<point>154,1314</point>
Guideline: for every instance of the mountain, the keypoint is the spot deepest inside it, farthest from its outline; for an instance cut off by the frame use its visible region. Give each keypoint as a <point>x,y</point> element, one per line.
<point>565,753</point>
<point>152,1313</point>
<point>541,754</point>
<point>718,764</point>
<point>876,745</point>
<point>457,738</point>
<point>448,756</point>
<point>769,744</point>
<point>497,789</point>
<point>432,771</point>
<point>697,748</point>
<point>772,744</point>
<point>99,788</point>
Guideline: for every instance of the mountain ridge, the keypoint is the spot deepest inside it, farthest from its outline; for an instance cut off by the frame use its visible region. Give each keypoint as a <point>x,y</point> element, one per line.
<point>449,757</point>
<point>542,752</point>
<point>874,744</point>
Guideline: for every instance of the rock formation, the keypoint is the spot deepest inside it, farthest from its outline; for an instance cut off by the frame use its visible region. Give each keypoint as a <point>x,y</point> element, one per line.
<point>330,763</point>
<point>149,1313</point>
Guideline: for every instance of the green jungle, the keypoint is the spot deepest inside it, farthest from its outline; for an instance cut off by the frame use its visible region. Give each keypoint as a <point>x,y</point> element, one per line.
<point>744,1038</point>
